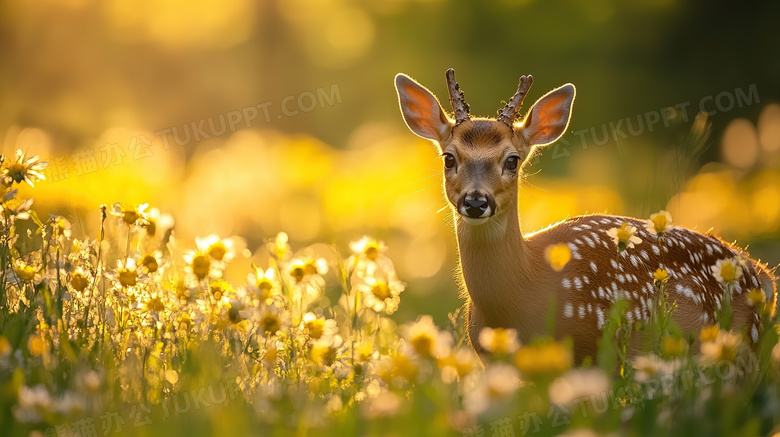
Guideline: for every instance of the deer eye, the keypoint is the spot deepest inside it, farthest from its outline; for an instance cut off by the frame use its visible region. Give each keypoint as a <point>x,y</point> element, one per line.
<point>511,163</point>
<point>449,160</point>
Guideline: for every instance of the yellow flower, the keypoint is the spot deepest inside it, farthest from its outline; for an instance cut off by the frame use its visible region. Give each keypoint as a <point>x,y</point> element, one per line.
<point>36,345</point>
<point>304,269</point>
<point>319,327</point>
<point>624,237</point>
<point>659,223</point>
<point>25,169</point>
<point>727,271</point>
<point>5,347</point>
<point>425,338</point>
<point>279,247</point>
<point>724,348</point>
<point>756,297</point>
<point>130,215</point>
<point>457,364</point>
<point>127,272</point>
<point>558,255</point>
<point>673,347</point>
<point>155,304</point>
<point>184,322</point>
<point>26,272</point>
<point>652,367</point>
<point>199,263</point>
<point>155,220</point>
<point>220,288</point>
<point>270,323</point>
<point>150,262</point>
<point>398,366</point>
<point>546,360</point>
<point>709,333</point>
<point>79,280</point>
<point>381,295</point>
<point>326,350</point>
<point>499,341</point>
<point>220,250</point>
<point>368,247</point>
<point>660,276</point>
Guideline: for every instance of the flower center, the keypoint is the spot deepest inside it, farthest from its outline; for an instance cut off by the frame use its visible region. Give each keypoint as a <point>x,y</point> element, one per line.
<point>270,323</point>
<point>423,344</point>
<point>128,277</point>
<point>17,171</point>
<point>150,262</point>
<point>217,251</point>
<point>79,282</point>
<point>130,216</point>
<point>201,266</point>
<point>298,273</point>
<point>380,290</point>
<point>372,252</point>
<point>316,328</point>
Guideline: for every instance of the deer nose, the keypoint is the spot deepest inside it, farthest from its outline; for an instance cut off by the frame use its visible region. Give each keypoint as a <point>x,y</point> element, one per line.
<point>477,205</point>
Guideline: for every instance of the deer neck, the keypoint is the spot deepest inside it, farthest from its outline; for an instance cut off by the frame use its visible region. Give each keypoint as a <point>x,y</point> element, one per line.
<point>496,266</point>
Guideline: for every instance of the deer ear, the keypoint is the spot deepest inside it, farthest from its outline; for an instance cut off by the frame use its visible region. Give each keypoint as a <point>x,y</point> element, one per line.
<point>549,116</point>
<point>421,110</point>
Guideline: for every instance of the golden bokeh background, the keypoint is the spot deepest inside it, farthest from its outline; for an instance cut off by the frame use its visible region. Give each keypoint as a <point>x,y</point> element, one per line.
<point>118,95</point>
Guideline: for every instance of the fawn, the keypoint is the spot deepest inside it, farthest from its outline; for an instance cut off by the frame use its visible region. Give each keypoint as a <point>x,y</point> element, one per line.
<point>509,282</point>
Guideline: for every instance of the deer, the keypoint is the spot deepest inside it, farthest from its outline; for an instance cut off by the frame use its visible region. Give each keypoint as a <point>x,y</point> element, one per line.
<point>507,279</point>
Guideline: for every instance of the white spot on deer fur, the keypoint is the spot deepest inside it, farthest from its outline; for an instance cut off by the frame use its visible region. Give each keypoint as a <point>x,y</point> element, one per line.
<point>635,294</point>
<point>581,311</point>
<point>644,255</point>
<point>593,293</point>
<point>594,267</point>
<point>621,278</point>
<point>578,283</point>
<point>589,241</point>
<point>704,317</point>
<point>574,253</point>
<point>600,315</point>
<point>635,260</point>
<point>630,316</point>
<point>601,293</point>
<point>754,334</point>
<point>614,263</point>
<point>568,310</point>
<point>590,308</point>
<point>566,283</point>
<point>586,279</point>
<point>637,313</point>
<point>656,250</point>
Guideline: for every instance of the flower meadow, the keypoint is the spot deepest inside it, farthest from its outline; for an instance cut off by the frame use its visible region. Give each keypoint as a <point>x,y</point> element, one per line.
<point>134,332</point>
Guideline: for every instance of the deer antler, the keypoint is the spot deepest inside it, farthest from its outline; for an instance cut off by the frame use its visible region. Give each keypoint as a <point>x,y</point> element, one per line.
<point>510,110</point>
<point>460,107</point>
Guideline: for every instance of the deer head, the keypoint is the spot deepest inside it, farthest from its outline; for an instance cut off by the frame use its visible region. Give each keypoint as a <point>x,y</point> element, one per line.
<point>482,156</point>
